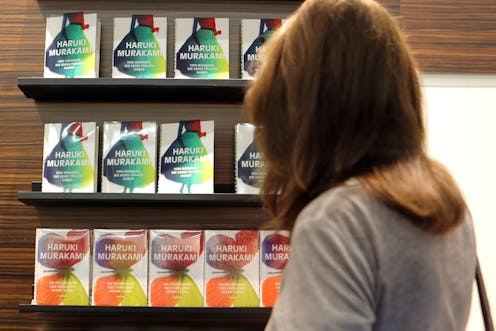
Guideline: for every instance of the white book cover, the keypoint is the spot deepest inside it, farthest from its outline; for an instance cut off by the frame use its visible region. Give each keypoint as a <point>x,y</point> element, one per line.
<point>248,162</point>
<point>62,269</point>
<point>70,152</point>
<point>129,154</point>
<point>274,255</point>
<point>176,266</point>
<point>232,268</point>
<point>140,47</point>
<point>120,267</point>
<point>254,33</point>
<point>186,157</point>
<point>72,46</point>
<point>202,48</point>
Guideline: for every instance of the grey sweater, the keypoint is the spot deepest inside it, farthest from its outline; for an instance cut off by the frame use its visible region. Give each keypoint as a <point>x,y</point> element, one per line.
<point>356,265</point>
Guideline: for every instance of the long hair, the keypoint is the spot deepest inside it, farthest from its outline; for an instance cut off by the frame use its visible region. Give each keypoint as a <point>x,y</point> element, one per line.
<point>337,96</point>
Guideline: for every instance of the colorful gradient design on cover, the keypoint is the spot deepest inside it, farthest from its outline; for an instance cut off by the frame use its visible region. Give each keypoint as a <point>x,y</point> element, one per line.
<point>197,171</point>
<point>232,289</point>
<point>250,65</point>
<point>68,165</point>
<point>61,286</point>
<point>275,254</point>
<point>177,289</point>
<point>130,143</point>
<point>142,40</point>
<point>213,62</point>
<point>119,254</point>
<point>247,173</point>
<point>70,52</point>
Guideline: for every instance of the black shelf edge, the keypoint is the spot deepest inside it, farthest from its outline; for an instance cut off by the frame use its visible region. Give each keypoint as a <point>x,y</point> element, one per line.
<point>225,199</point>
<point>253,315</point>
<point>114,89</point>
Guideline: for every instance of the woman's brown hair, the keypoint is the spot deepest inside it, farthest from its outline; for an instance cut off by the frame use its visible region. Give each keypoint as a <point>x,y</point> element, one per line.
<point>337,96</point>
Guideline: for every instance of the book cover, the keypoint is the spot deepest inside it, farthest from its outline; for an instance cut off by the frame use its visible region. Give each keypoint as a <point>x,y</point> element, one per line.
<point>254,33</point>
<point>186,157</point>
<point>120,267</point>
<point>70,152</point>
<point>248,163</point>
<point>202,48</point>
<point>129,157</point>
<point>140,47</point>
<point>232,268</point>
<point>274,254</point>
<point>176,268</point>
<point>62,269</point>
<point>72,46</point>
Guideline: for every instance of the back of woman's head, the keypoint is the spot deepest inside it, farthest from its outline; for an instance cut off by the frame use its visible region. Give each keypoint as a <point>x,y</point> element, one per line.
<point>336,96</point>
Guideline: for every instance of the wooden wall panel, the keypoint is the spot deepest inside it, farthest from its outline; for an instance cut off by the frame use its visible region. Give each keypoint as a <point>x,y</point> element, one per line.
<point>452,36</point>
<point>437,42</point>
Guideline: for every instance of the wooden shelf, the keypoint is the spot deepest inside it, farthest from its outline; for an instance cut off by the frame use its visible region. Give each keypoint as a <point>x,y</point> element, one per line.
<point>223,199</point>
<point>115,89</point>
<point>210,316</point>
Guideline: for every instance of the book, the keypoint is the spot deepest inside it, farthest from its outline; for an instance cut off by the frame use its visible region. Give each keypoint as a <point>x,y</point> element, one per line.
<point>129,152</point>
<point>254,33</point>
<point>62,269</point>
<point>248,162</point>
<point>186,157</point>
<point>140,47</point>
<point>202,48</point>
<point>70,153</point>
<point>274,255</point>
<point>231,268</point>
<point>72,46</point>
<point>176,268</point>
<point>120,267</point>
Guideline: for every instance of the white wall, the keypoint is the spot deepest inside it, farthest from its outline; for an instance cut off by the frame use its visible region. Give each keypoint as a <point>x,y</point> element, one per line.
<point>461,121</point>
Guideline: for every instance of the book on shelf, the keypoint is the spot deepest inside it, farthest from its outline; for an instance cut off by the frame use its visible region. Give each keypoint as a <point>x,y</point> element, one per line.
<point>254,33</point>
<point>231,268</point>
<point>120,267</point>
<point>186,157</point>
<point>202,48</point>
<point>176,268</point>
<point>70,153</point>
<point>140,47</point>
<point>248,163</point>
<point>72,46</point>
<point>129,157</point>
<point>62,268</point>
<point>274,255</point>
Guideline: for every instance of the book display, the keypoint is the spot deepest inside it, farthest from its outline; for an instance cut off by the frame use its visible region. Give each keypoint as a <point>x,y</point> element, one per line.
<point>225,291</point>
<point>72,46</point>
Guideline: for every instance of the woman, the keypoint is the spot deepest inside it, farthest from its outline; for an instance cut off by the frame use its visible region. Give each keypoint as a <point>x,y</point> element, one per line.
<point>381,235</point>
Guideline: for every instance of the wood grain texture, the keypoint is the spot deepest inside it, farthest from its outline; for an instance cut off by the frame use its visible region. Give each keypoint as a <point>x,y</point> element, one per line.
<point>455,36</point>
<point>452,36</point>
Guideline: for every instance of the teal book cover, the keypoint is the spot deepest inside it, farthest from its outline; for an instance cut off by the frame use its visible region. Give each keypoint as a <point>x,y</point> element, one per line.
<point>72,46</point>
<point>140,47</point>
<point>248,162</point>
<point>186,157</point>
<point>202,48</point>
<point>254,33</point>
<point>70,152</point>
<point>129,157</point>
